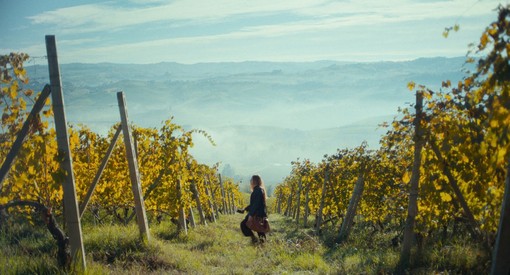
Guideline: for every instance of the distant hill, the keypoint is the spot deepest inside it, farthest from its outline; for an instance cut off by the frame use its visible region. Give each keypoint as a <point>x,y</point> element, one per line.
<point>262,115</point>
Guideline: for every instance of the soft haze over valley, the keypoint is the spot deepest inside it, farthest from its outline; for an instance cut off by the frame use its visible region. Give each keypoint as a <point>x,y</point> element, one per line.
<point>262,115</point>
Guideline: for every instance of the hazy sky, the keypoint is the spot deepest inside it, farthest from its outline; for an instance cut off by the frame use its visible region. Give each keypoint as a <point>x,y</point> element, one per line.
<point>185,31</point>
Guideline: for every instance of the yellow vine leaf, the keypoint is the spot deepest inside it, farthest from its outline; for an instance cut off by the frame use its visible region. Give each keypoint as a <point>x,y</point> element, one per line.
<point>493,32</point>
<point>411,85</point>
<point>501,155</point>
<point>445,197</point>
<point>468,81</point>
<point>483,40</point>
<point>13,91</point>
<point>406,177</point>
<point>465,159</point>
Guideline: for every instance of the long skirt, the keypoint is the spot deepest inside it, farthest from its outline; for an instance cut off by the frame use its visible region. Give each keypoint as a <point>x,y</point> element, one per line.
<point>246,231</point>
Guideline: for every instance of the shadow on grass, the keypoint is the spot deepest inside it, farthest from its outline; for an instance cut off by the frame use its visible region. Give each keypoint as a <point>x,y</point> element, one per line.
<point>32,239</point>
<point>167,235</point>
<point>202,245</point>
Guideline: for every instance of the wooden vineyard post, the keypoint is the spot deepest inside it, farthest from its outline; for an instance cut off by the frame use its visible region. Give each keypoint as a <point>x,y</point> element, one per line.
<point>233,202</point>
<point>501,253</point>
<point>307,208</point>
<point>71,214</point>
<point>285,213</point>
<point>318,222</point>
<point>288,209</point>
<point>351,209</point>
<point>224,203</point>
<point>134,175</point>
<point>16,146</point>
<point>199,205</point>
<point>182,216</point>
<point>413,190</point>
<point>192,218</point>
<point>294,209</point>
<point>212,200</point>
<point>211,206</point>
<point>86,200</point>
<point>227,199</point>
<point>298,200</point>
<point>279,205</point>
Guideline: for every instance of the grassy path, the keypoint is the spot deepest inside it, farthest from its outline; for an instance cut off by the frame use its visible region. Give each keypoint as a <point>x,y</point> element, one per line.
<point>220,248</point>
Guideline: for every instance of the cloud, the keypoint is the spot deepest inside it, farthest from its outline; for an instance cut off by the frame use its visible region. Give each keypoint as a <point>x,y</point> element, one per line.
<point>106,17</point>
<point>192,31</point>
<point>103,17</point>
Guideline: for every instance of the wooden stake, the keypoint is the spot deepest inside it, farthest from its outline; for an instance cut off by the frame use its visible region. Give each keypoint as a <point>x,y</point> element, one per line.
<point>199,204</point>
<point>214,207</point>
<point>192,218</point>
<point>414,187</point>
<point>318,222</point>
<point>16,146</point>
<point>134,175</point>
<point>209,201</point>
<point>227,200</point>
<point>307,207</point>
<point>298,203</point>
<point>182,216</point>
<point>288,209</point>
<point>225,210</point>
<point>104,162</point>
<point>279,205</point>
<point>233,202</point>
<point>351,209</point>
<point>501,254</point>
<point>71,214</point>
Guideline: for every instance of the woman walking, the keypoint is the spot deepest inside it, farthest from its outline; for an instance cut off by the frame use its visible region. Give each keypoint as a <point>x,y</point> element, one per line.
<point>257,208</point>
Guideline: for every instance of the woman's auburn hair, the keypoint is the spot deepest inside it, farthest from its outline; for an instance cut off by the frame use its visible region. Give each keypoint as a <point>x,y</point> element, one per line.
<point>257,181</point>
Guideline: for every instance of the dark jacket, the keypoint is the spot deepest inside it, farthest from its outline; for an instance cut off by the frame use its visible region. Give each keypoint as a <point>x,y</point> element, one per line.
<point>257,205</point>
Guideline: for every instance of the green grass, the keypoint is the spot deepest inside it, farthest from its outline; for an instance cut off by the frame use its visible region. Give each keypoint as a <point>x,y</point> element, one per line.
<point>220,248</point>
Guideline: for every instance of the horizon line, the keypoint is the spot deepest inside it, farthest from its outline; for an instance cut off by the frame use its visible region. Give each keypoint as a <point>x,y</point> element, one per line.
<point>251,61</point>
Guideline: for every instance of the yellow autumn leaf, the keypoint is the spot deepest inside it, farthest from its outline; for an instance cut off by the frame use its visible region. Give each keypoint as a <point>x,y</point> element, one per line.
<point>406,177</point>
<point>427,96</point>
<point>465,159</point>
<point>445,197</point>
<point>494,123</point>
<point>483,40</point>
<point>501,155</point>
<point>13,91</point>
<point>411,85</point>
<point>493,32</point>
